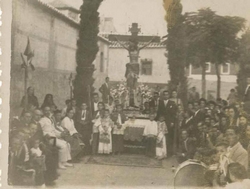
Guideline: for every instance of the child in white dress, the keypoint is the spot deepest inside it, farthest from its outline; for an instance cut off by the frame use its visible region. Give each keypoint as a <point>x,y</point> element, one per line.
<point>105,137</point>
<point>161,146</point>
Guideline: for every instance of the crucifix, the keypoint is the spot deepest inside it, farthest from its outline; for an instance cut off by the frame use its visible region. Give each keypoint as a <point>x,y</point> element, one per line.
<point>133,68</point>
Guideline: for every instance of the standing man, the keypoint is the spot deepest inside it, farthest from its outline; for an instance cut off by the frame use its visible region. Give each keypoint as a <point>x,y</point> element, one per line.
<point>105,90</point>
<point>83,126</point>
<point>154,102</point>
<point>95,103</point>
<point>168,109</point>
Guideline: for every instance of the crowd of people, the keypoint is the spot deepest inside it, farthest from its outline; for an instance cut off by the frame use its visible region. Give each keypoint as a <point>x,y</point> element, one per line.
<point>46,138</point>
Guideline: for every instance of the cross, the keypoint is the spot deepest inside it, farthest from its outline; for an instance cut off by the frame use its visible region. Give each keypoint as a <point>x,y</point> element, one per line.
<point>134,29</point>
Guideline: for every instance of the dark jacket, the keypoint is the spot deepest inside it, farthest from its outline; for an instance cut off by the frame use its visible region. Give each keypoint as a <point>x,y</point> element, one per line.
<point>83,124</point>
<point>32,100</point>
<point>198,117</point>
<point>189,150</point>
<point>153,103</point>
<point>168,111</point>
<point>105,90</point>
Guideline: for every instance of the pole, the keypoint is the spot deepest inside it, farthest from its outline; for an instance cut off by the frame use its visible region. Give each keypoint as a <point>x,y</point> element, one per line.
<point>90,100</point>
<point>25,88</point>
<point>70,92</point>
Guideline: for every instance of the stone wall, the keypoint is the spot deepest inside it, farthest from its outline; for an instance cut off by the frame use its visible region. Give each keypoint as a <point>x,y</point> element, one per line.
<point>53,38</point>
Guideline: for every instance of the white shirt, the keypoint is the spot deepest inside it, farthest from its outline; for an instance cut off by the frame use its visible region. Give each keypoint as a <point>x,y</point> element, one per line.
<point>36,151</point>
<point>83,115</point>
<point>95,106</point>
<point>27,157</point>
<point>185,144</point>
<point>119,119</point>
<point>68,124</point>
<point>165,102</point>
<point>49,128</point>
<point>151,128</point>
<point>64,111</point>
<point>107,85</point>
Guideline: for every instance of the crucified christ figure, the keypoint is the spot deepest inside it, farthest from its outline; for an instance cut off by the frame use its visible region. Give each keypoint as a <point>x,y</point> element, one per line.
<point>132,68</point>
<point>133,49</point>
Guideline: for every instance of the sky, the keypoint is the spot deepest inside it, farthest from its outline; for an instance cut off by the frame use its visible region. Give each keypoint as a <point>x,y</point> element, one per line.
<point>149,14</point>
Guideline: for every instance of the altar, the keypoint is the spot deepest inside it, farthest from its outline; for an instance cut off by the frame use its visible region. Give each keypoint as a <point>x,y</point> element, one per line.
<point>133,134</point>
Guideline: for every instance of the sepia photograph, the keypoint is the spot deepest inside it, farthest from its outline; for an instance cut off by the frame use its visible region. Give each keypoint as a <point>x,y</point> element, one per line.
<point>128,94</point>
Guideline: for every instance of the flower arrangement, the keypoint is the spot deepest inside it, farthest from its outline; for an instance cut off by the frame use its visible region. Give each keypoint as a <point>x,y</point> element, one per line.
<point>145,92</point>
<point>120,92</point>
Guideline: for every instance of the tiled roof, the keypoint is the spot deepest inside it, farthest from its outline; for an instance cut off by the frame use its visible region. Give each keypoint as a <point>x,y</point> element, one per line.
<point>115,44</point>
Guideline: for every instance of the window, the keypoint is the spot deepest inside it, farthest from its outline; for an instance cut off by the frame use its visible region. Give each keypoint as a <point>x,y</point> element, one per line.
<point>101,62</point>
<point>225,68</point>
<point>146,67</point>
<point>208,67</point>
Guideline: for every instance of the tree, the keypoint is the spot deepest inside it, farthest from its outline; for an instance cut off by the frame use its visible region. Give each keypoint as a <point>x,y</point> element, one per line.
<point>244,63</point>
<point>224,42</point>
<point>87,48</point>
<point>197,28</point>
<point>212,38</point>
<point>175,46</point>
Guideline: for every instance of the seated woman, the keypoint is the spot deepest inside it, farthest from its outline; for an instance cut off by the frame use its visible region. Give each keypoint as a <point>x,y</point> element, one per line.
<point>68,123</point>
<point>105,137</point>
<point>73,137</point>
<point>48,101</point>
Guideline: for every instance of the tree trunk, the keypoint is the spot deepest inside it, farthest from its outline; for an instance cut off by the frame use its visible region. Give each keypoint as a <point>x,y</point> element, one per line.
<point>218,79</point>
<point>87,49</point>
<point>203,81</point>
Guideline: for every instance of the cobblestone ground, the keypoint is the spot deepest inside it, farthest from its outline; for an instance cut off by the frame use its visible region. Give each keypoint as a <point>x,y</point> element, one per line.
<point>90,175</point>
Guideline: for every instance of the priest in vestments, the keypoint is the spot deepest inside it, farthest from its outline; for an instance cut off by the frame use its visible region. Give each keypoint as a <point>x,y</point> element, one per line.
<point>119,119</point>
<point>150,132</point>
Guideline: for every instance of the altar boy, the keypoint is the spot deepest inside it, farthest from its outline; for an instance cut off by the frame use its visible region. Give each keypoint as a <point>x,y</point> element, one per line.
<point>150,132</point>
<point>119,119</point>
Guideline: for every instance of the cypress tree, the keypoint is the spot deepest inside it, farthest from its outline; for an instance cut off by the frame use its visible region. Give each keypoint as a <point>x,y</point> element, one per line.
<point>87,49</point>
<point>176,47</point>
